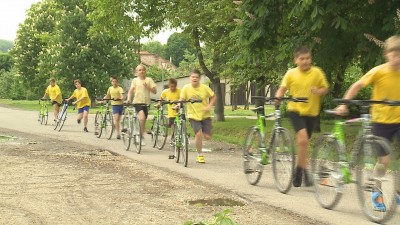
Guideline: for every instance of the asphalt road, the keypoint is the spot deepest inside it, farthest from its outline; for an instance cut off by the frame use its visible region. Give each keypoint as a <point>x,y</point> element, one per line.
<point>222,168</point>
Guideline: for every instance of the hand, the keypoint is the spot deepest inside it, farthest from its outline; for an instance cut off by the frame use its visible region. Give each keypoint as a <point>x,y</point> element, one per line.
<point>315,91</point>
<point>207,108</point>
<point>74,103</point>
<point>176,107</point>
<point>342,110</point>
<point>145,85</point>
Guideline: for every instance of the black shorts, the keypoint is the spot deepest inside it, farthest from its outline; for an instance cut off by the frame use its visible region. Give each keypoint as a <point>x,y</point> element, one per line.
<point>143,108</point>
<point>171,121</point>
<point>55,103</point>
<point>388,131</point>
<point>302,122</point>
<point>203,125</point>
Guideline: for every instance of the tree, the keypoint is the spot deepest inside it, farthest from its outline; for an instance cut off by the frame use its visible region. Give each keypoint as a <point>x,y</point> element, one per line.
<point>5,45</point>
<point>154,47</point>
<point>177,45</point>
<point>6,61</point>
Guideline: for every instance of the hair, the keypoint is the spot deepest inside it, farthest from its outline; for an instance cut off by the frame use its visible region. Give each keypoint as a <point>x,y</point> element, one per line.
<point>140,65</point>
<point>172,81</point>
<point>196,71</point>
<point>301,50</point>
<point>77,81</point>
<point>392,44</point>
<point>114,78</point>
<point>52,80</point>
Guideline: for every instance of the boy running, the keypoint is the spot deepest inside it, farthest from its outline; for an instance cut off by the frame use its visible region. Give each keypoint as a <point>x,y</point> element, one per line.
<point>116,92</point>
<point>82,102</point>
<point>385,79</point>
<point>141,86</point>
<point>172,93</point>
<point>303,81</point>
<point>199,113</point>
<point>54,93</point>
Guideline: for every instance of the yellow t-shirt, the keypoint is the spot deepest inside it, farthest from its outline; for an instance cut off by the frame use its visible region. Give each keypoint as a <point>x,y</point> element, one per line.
<point>142,94</point>
<point>168,95</point>
<point>115,92</point>
<point>196,110</point>
<point>79,94</point>
<point>385,83</point>
<point>53,92</point>
<point>299,84</point>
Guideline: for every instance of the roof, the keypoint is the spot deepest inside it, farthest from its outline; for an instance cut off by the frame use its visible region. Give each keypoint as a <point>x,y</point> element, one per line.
<point>150,59</point>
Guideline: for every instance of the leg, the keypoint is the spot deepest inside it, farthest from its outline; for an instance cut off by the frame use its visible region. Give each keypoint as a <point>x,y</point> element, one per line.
<point>302,145</point>
<point>56,109</point>
<point>142,121</point>
<point>198,140</point>
<point>117,118</point>
<point>85,117</point>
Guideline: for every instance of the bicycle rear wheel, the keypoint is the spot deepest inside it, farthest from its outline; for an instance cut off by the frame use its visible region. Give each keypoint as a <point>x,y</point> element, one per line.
<point>137,138</point>
<point>162,132</point>
<point>126,131</point>
<point>45,115</point>
<point>370,183</point>
<point>185,147</point>
<point>177,143</point>
<point>326,171</point>
<point>253,168</point>
<point>283,159</point>
<point>108,125</point>
<point>40,115</point>
<point>98,121</point>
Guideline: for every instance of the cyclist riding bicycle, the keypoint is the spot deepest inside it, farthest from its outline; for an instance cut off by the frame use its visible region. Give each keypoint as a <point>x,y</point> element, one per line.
<point>116,92</point>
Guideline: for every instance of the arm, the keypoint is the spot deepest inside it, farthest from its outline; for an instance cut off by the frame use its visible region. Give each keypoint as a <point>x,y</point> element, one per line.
<point>319,91</point>
<point>280,92</point>
<point>130,93</point>
<point>350,93</point>
<point>211,103</point>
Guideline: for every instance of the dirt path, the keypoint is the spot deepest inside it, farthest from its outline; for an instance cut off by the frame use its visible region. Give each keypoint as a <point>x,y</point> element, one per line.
<point>221,175</point>
<point>47,181</point>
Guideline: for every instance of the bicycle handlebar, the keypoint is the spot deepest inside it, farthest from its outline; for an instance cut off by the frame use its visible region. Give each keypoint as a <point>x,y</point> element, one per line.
<point>186,101</point>
<point>367,102</point>
<point>163,102</point>
<point>299,99</point>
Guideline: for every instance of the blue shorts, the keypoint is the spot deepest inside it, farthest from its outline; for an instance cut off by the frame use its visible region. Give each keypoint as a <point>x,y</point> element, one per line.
<point>118,109</point>
<point>85,108</point>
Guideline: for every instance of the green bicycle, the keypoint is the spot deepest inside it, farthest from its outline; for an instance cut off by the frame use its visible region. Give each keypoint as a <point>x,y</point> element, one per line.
<point>159,126</point>
<point>332,168</point>
<point>281,147</point>
<point>180,136</point>
<point>43,111</point>
<point>104,119</point>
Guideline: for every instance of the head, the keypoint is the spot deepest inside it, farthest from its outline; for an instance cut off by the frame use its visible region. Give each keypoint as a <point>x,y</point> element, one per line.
<point>52,82</point>
<point>302,58</point>
<point>195,77</point>
<point>392,51</point>
<point>78,83</point>
<point>114,81</point>
<point>172,83</point>
<point>140,71</point>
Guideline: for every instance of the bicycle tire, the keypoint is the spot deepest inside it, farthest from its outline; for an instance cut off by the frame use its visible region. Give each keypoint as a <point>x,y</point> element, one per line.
<point>154,132</point>
<point>108,124</point>
<point>40,115</point>
<point>59,116</point>
<point>185,147</point>
<point>98,121</point>
<point>126,131</point>
<point>366,181</point>
<point>46,114</point>
<point>283,159</point>
<point>162,133</point>
<point>252,166</point>
<point>63,119</point>
<point>326,171</point>
<point>137,138</point>
<point>176,143</point>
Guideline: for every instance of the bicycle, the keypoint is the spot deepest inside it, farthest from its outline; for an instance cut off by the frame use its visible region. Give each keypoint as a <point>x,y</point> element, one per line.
<point>179,135</point>
<point>159,126</point>
<point>104,119</point>
<point>281,147</point>
<point>332,169</point>
<point>130,127</point>
<point>62,116</point>
<point>43,111</point>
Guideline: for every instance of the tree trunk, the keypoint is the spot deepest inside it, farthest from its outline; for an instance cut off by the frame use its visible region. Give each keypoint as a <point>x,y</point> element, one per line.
<point>216,83</point>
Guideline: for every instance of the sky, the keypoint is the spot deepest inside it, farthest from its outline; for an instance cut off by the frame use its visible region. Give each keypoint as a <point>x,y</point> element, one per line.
<point>13,12</point>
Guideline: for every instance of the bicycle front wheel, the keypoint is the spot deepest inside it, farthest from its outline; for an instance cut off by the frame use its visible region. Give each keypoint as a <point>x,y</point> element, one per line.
<point>283,159</point>
<point>374,185</point>
<point>108,125</point>
<point>185,143</point>
<point>162,132</point>
<point>326,171</point>
<point>177,143</point>
<point>98,121</point>
<point>63,118</point>
<point>126,131</point>
<point>137,138</point>
<point>252,152</point>
<point>154,131</point>
<point>45,117</point>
